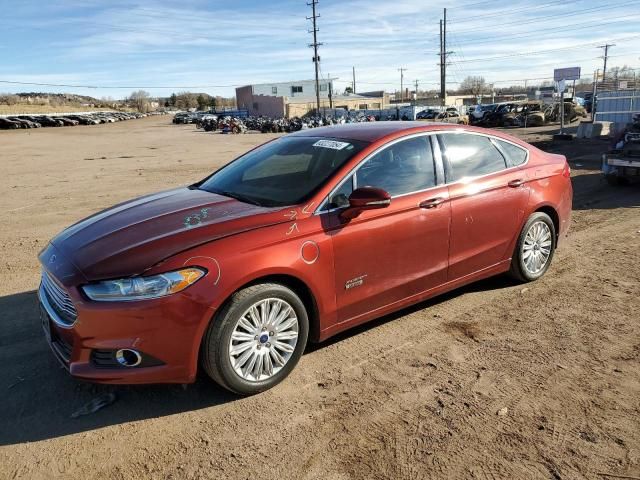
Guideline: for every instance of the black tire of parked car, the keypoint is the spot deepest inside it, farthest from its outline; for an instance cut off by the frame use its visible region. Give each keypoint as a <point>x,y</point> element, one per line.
<point>518,269</point>
<point>214,351</point>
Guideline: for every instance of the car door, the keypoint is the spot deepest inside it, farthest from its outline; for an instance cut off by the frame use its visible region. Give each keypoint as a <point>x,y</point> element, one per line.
<point>386,255</point>
<point>488,199</point>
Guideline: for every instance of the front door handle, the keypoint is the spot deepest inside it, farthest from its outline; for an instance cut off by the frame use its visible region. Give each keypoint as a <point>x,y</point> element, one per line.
<point>432,202</point>
<point>516,183</point>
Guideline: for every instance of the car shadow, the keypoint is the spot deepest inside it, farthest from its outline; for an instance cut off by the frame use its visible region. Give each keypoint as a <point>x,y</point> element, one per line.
<point>592,192</point>
<point>39,396</point>
<point>498,282</point>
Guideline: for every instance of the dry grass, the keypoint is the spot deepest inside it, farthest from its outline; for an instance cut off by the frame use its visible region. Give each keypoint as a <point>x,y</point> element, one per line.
<point>35,109</point>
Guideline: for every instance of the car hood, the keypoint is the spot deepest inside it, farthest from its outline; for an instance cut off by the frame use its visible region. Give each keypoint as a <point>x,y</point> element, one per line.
<point>132,237</point>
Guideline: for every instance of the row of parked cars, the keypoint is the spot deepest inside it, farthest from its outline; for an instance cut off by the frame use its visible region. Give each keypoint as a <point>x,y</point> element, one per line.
<point>37,121</point>
<point>532,113</point>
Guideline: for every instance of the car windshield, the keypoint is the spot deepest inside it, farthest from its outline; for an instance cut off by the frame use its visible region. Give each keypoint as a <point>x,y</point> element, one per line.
<point>284,172</point>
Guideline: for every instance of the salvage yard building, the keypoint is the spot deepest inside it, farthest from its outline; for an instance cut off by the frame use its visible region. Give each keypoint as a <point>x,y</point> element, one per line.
<point>296,99</point>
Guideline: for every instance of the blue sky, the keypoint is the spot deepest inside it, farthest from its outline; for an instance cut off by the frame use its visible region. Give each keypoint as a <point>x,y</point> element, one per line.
<point>214,45</point>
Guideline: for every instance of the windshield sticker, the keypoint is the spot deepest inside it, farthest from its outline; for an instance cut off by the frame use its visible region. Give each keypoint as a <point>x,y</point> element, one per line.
<point>331,144</point>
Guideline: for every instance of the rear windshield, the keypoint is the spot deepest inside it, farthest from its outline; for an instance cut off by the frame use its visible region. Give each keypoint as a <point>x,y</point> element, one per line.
<point>284,172</point>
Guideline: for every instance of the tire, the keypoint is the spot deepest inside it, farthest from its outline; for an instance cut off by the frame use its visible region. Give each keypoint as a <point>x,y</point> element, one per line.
<point>522,263</point>
<point>225,369</point>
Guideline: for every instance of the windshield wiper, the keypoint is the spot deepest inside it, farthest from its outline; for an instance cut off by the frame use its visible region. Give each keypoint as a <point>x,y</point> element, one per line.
<point>238,196</point>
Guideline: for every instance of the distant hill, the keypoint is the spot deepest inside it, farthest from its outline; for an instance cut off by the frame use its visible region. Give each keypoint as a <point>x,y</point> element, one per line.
<point>40,102</point>
<point>70,98</point>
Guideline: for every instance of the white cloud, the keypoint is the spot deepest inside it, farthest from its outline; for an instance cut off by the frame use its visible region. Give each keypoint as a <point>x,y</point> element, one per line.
<point>197,43</point>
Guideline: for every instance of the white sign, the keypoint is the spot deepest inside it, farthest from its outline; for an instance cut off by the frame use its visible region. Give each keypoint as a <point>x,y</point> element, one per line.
<point>571,73</point>
<point>331,144</point>
<point>622,84</point>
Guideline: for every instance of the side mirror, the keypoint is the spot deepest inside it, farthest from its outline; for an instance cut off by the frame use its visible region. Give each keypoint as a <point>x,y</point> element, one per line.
<point>365,198</point>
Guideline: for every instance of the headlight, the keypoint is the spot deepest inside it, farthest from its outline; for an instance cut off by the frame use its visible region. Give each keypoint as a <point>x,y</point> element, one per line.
<point>143,288</point>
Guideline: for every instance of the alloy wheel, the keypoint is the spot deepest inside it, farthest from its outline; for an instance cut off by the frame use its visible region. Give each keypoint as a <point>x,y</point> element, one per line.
<point>536,247</point>
<point>263,339</point>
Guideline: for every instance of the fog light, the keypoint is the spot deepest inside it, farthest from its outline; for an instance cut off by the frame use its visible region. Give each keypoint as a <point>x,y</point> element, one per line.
<point>128,358</point>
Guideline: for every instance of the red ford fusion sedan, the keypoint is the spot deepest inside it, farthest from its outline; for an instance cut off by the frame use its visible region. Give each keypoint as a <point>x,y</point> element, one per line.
<point>295,241</point>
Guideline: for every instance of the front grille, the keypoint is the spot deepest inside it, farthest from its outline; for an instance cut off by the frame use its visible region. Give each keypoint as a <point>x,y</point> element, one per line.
<point>59,299</point>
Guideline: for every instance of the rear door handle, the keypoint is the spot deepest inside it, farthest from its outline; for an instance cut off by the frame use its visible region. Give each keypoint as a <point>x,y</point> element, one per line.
<point>516,183</point>
<point>432,202</point>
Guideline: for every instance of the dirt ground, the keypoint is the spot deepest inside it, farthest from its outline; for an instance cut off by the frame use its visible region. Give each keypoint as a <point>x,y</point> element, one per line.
<point>493,381</point>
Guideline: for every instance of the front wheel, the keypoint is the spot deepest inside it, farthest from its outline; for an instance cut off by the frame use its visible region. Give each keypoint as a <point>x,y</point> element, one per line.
<point>534,249</point>
<point>256,339</point>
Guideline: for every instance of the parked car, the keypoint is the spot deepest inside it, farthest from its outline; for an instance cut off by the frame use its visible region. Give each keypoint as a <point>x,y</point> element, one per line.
<point>24,122</point>
<point>503,114</point>
<point>67,121</point>
<point>452,116</point>
<point>427,114</point>
<point>299,239</point>
<point>6,124</point>
<point>180,117</point>
<point>47,121</point>
<point>477,116</point>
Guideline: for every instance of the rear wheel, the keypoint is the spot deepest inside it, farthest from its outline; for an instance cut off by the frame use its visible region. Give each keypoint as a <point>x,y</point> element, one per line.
<point>256,339</point>
<point>534,249</point>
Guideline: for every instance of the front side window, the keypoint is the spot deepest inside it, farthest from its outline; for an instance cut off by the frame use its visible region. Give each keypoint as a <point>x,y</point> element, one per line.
<point>340,197</point>
<point>470,156</point>
<point>404,167</point>
<point>284,172</point>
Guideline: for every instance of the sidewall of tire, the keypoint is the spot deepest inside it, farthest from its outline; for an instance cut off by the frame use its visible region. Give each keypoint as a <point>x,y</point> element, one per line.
<point>518,269</point>
<point>217,362</point>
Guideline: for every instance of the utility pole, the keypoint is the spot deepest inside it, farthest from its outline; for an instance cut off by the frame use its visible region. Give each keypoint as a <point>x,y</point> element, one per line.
<point>402,70</point>
<point>443,59</point>
<point>594,95</point>
<point>354,80</point>
<point>606,56</point>
<point>315,45</point>
<point>416,82</point>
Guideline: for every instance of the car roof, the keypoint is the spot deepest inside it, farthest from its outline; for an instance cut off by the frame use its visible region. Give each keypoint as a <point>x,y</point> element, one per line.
<point>375,131</point>
<point>367,131</point>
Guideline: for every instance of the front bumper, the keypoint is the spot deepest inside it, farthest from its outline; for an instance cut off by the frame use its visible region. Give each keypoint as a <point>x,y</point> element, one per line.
<point>166,331</point>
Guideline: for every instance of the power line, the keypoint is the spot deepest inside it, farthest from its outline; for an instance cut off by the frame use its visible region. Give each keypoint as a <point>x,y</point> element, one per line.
<point>538,52</point>
<point>516,10</point>
<point>575,26</point>
<point>555,16</point>
<point>467,5</point>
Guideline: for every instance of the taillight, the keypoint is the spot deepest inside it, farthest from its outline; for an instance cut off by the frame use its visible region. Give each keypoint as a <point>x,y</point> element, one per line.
<point>566,172</point>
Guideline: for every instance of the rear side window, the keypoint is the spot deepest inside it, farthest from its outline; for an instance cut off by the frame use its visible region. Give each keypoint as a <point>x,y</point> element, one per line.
<point>515,155</point>
<point>470,156</point>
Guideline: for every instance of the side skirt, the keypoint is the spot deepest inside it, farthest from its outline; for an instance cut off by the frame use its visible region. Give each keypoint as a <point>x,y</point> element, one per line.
<point>417,298</point>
